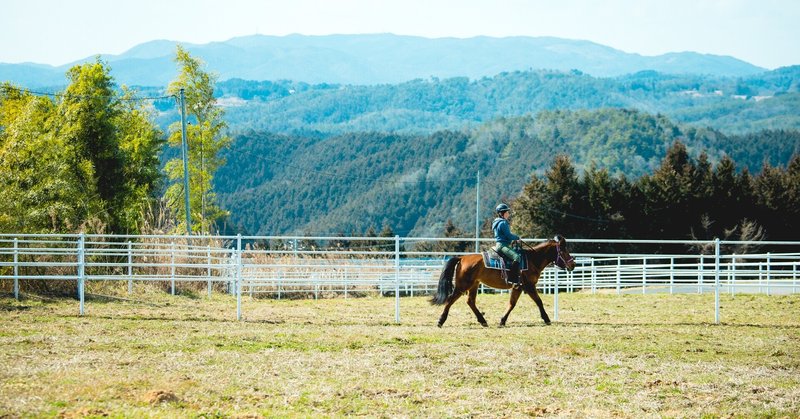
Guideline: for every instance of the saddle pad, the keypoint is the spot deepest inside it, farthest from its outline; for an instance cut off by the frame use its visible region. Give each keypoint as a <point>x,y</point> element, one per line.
<point>493,260</point>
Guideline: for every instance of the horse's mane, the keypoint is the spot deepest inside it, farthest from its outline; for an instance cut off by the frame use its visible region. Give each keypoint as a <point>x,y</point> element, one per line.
<point>543,244</point>
<point>537,253</point>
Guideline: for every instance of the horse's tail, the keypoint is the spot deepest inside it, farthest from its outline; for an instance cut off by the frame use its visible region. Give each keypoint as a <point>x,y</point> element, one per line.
<point>446,281</point>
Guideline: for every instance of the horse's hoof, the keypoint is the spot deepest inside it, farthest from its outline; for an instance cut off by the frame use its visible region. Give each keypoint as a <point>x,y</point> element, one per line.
<point>547,323</point>
<point>439,325</point>
<point>484,324</point>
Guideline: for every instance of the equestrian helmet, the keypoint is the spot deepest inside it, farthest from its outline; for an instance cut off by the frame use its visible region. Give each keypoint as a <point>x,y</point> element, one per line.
<point>502,208</point>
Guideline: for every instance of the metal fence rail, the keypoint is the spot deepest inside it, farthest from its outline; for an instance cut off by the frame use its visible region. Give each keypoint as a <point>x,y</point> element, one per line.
<point>278,265</point>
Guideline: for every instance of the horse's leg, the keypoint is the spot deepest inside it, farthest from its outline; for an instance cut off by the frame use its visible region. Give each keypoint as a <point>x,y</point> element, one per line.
<point>512,302</point>
<point>531,290</point>
<point>473,294</point>
<point>449,302</point>
<point>463,281</point>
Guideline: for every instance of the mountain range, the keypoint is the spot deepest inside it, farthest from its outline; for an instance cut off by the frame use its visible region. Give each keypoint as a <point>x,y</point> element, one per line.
<point>378,59</point>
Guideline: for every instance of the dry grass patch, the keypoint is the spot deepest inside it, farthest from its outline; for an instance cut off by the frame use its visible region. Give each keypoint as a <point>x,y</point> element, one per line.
<point>608,355</point>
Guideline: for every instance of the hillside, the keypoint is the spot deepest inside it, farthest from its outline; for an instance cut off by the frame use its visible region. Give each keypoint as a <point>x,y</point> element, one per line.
<point>281,184</point>
<point>380,58</point>
<point>735,105</point>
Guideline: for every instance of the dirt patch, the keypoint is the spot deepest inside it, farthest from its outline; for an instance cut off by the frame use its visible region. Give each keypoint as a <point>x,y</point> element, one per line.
<point>82,413</point>
<point>160,396</point>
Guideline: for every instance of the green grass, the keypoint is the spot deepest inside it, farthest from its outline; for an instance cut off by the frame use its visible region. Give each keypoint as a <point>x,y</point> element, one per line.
<point>608,355</point>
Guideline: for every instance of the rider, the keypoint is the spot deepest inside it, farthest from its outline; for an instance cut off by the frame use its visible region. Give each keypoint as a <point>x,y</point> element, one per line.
<point>504,239</point>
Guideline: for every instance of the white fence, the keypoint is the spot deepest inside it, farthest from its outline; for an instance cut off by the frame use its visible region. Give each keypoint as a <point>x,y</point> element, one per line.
<point>395,266</point>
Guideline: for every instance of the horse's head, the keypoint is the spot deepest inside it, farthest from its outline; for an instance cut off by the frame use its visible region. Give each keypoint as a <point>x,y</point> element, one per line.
<point>563,259</point>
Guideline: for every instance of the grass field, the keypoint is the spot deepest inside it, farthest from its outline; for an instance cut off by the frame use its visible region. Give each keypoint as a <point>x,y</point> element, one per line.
<point>608,355</point>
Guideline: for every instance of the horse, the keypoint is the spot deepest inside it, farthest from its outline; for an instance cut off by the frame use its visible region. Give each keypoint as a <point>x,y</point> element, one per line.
<point>470,272</point>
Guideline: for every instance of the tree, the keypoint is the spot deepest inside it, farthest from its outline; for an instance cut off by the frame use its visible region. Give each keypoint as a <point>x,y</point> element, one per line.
<point>206,138</point>
<point>139,143</point>
<point>531,217</point>
<point>549,206</point>
<point>731,196</point>
<point>87,161</point>
<point>450,231</point>
<point>39,188</point>
<point>668,195</point>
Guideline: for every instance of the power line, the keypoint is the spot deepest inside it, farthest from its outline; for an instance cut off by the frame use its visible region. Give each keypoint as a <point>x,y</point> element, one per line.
<point>579,217</point>
<point>71,96</point>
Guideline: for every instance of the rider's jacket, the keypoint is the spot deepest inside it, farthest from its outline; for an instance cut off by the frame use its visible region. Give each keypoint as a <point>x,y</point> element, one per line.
<point>502,232</point>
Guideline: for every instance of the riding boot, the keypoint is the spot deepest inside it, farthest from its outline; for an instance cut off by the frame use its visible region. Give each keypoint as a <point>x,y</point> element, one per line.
<point>513,274</point>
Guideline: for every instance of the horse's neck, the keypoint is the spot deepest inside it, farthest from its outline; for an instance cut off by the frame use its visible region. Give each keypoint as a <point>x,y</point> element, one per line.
<point>541,256</point>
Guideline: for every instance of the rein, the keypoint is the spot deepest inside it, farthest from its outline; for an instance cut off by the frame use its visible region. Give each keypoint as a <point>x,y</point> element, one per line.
<point>559,255</point>
<point>527,245</point>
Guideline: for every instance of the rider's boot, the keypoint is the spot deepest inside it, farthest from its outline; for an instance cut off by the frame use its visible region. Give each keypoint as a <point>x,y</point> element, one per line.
<point>513,274</point>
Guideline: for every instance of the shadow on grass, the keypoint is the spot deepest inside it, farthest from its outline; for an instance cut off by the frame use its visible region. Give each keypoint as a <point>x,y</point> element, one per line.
<point>11,307</point>
<point>665,324</point>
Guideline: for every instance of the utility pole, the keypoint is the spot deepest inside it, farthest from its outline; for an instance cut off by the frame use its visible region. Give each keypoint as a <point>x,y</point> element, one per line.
<point>478,213</point>
<point>185,152</point>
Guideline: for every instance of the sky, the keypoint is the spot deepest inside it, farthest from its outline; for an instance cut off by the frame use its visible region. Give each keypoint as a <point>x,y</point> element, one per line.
<point>56,32</point>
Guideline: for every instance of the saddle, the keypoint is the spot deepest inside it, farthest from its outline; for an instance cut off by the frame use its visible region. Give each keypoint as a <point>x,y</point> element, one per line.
<point>494,260</point>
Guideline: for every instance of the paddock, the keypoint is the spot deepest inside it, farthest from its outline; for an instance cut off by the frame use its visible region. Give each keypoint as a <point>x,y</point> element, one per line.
<point>244,327</point>
<point>628,355</point>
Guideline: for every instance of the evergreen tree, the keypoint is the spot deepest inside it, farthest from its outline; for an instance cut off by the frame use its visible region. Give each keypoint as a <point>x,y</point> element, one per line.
<point>773,195</point>
<point>731,197</point>
<point>668,196</point>
<point>599,198</point>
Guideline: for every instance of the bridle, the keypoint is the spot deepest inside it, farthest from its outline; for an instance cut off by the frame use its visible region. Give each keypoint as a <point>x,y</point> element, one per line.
<point>560,261</point>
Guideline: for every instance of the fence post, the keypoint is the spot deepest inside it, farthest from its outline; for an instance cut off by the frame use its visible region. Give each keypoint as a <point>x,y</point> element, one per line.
<point>208,268</point>
<point>716,280</point>
<point>619,277</point>
<point>555,295</point>
<point>594,278</point>
<point>769,273</point>
<point>733,274</point>
<point>130,268</point>
<point>172,267</point>
<point>16,269</point>
<point>238,277</point>
<point>700,275</point>
<point>644,275</point>
<point>397,279</point>
<point>671,275</point>
<point>81,268</point>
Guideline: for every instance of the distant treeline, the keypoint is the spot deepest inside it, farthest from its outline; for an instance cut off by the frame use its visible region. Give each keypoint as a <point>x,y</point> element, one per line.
<point>731,105</point>
<point>414,184</point>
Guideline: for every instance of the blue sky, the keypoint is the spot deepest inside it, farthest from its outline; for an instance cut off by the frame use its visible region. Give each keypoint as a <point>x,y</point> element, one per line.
<point>763,32</point>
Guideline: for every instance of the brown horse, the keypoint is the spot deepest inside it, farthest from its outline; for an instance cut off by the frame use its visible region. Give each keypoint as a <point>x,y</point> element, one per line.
<point>470,272</point>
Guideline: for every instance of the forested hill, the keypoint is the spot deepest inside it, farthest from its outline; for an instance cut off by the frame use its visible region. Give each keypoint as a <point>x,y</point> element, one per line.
<point>275,183</point>
<point>733,105</point>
